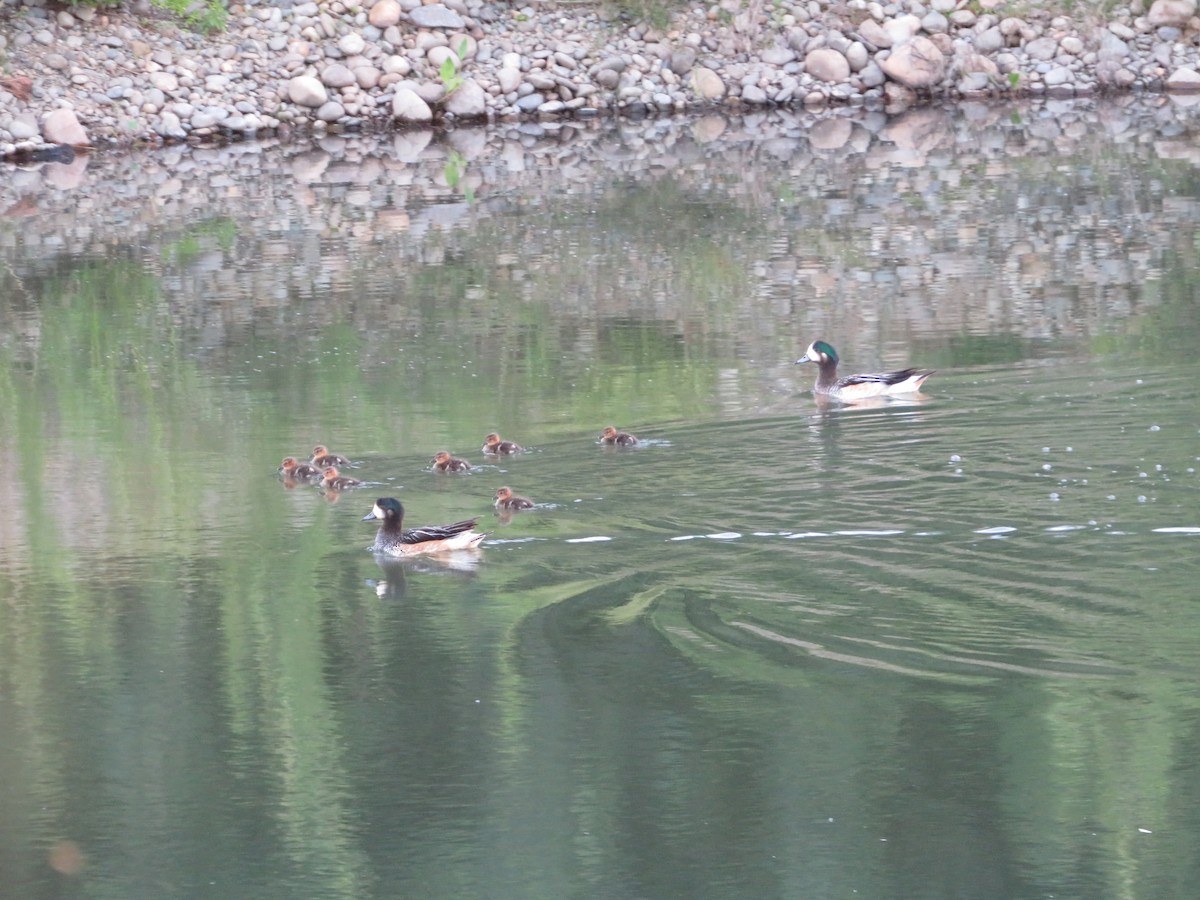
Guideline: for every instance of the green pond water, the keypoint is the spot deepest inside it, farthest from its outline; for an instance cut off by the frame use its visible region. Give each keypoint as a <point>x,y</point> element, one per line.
<point>946,646</point>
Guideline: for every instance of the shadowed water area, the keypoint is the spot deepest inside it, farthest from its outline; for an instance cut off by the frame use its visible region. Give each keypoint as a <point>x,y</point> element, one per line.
<point>941,646</point>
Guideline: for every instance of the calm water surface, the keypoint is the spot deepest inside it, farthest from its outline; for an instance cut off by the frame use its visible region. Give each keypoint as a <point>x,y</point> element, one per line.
<point>940,647</point>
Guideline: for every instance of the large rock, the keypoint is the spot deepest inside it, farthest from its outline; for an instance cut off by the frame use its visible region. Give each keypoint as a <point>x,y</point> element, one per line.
<point>384,14</point>
<point>468,101</point>
<point>707,84</point>
<point>61,127</point>
<point>407,106</point>
<point>874,34</point>
<point>435,16</point>
<point>164,81</point>
<point>682,60</point>
<point>509,79</point>
<point>336,76</point>
<point>902,29</point>
<point>305,90</point>
<point>1184,80</point>
<point>1173,13</point>
<point>826,64</point>
<point>919,64</point>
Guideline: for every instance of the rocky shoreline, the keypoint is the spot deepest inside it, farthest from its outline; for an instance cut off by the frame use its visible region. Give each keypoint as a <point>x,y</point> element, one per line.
<point>88,77</point>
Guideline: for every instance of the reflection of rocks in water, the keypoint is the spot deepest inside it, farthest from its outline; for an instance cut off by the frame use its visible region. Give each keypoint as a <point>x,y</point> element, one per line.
<point>939,220</point>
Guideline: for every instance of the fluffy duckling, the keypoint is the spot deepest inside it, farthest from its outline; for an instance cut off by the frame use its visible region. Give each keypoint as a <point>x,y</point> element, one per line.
<point>444,462</point>
<point>858,387</point>
<point>332,481</point>
<point>495,446</point>
<point>506,499</point>
<point>610,435</point>
<point>293,468</point>
<point>322,458</point>
<point>393,539</point>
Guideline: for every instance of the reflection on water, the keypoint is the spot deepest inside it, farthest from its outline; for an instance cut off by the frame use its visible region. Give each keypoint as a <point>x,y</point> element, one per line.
<point>939,645</point>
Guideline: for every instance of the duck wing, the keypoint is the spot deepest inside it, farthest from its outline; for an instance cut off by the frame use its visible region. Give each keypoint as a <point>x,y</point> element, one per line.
<point>435,532</point>
<point>885,379</point>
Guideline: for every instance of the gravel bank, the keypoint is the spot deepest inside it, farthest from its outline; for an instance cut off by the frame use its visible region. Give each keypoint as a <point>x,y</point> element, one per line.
<point>88,77</point>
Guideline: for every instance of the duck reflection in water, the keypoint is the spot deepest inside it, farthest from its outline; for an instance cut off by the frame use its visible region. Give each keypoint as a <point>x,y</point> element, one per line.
<point>396,571</point>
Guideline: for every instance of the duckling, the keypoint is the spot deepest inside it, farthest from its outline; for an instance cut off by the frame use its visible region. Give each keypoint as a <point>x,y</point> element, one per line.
<point>506,499</point>
<point>335,482</point>
<point>322,458</point>
<point>444,462</point>
<point>495,446</point>
<point>293,468</point>
<point>858,387</point>
<point>393,539</point>
<point>610,435</point>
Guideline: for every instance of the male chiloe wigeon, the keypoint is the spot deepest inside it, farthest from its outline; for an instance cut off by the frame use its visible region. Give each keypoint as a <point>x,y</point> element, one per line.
<point>858,387</point>
<point>393,539</point>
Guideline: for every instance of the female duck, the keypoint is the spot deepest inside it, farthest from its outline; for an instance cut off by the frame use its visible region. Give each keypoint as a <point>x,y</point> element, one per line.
<point>444,462</point>
<point>858,387</point>
<point>293,468</point>
<point>335,482</point>
<point>322,458</point>
<point>394,539</point>
<point>495,446</point>
<point>506,499</point>
<point>610,435</point>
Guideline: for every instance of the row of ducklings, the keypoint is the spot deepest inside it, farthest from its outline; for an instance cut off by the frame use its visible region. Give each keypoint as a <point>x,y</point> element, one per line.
<point>322,466</point>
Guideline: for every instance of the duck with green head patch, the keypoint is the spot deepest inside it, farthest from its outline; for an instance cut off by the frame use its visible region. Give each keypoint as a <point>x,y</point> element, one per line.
<point>858,387</point>
<point>393,539</point>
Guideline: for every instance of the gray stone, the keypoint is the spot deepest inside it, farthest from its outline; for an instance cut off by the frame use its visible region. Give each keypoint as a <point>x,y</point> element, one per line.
<point>435,16</point>
<point>530,102</point>
<point>24,127</point>
<point>337,76</point>
<point>919,64</point>
<point>1072,45</point>
<point>707,84</point>
<point>902,29</point>
<point>608,79</point>
<point>508,79</point>
<point>872,76</point>
<point>1184,79</point>
<point>777,56</point>
<point>1171,12</point>
<point>331,111</point>
<point>351,43</point>
<point>1058,75</point>
<point>989,40</point>
<point>60,126</point>
<point>826,64</point>
<point>407,106</point>
<point>753,94</point>
<point>384,14</point>
<point>875,34</point>
<point>170,127</point>
<point>857,56</point>
<point>305,90</point>
<point>468,101</point>
<point>1042,48</point>
<point>935,23</point>
<point>682,60</point>
<point>164,81</point>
